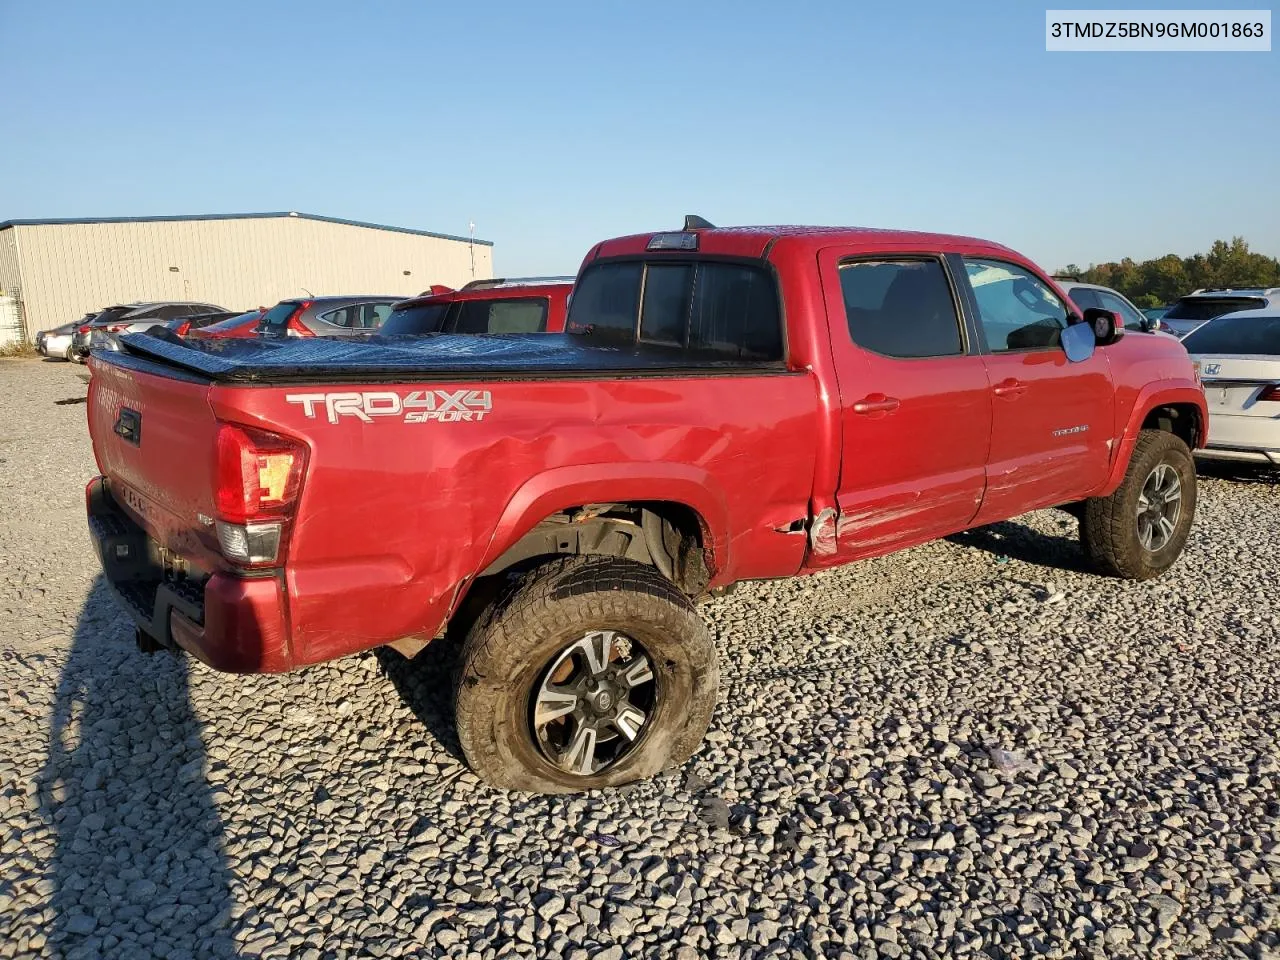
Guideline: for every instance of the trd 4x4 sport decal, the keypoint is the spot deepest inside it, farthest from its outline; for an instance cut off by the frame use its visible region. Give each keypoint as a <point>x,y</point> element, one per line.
<point>420,406</point>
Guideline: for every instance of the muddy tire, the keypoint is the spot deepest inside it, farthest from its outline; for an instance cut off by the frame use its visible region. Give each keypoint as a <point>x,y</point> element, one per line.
<point>592,672</point>
<point>1139,531</point>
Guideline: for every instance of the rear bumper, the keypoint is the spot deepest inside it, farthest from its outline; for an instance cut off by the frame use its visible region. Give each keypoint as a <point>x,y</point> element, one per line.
<point>1247,438</point>
<point>232,623</point>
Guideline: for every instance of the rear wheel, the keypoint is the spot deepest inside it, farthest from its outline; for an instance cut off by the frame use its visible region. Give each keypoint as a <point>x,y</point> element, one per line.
<point>69,356</point>
<point>1139,531</point>
<point>593,672</point>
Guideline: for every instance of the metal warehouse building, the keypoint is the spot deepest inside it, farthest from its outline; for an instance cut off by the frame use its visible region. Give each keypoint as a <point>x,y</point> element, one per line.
<point>58,270</point>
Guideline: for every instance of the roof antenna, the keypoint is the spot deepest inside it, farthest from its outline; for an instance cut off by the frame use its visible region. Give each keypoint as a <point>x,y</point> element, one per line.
<point>694,222</point>
<point>307,292</point>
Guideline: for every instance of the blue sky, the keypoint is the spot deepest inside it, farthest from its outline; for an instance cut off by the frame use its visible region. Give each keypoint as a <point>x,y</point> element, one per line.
<point>554,125</point>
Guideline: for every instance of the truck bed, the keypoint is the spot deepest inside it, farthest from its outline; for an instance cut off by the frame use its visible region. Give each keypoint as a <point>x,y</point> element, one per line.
<point>429,357</point>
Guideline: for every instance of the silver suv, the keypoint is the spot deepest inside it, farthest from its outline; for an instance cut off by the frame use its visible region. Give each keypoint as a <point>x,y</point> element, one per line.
<point>100,333</point>
<point>1087,295</point>
<point>1200,306</point>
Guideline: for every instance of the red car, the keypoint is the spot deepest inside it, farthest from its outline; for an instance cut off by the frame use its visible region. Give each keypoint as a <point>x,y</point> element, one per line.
<point>727,405</point>
<point>529,305</point>
<point>242,325</point>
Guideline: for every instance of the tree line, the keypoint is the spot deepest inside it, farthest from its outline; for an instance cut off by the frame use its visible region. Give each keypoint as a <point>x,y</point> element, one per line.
<point>1153,283</point>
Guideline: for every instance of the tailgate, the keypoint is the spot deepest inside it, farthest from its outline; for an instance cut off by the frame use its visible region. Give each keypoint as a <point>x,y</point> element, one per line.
<point>154,437</point>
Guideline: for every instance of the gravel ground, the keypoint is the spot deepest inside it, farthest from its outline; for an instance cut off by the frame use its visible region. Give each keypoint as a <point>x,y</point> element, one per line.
<point>969,749</point>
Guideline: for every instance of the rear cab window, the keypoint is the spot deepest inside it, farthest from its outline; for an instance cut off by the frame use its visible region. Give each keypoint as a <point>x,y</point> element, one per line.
<point>713,309</point>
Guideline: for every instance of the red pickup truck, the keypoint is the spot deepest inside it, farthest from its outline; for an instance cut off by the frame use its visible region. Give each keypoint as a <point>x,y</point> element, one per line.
<point>501,305</point>
<point>726,405</point>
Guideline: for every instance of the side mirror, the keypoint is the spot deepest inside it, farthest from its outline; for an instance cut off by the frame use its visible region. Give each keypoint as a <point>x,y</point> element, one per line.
<point>1107,325</point>
<point>1078,342</point>
<point>1146,325</point>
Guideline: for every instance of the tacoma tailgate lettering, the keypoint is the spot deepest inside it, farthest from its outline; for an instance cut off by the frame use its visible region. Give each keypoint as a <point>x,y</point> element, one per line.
<point>419,406</point>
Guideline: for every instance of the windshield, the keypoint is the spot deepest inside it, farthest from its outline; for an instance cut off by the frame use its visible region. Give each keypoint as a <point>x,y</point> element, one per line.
<point>414,320</point>
<point>1206,308</point>
<point>1256,336</point>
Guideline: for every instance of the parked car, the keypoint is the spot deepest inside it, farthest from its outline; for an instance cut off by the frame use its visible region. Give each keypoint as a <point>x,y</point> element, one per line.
<point>354,316</point>
<point>184,325</point>
<point>239,325</point>
<point>1086,295</point>
<point>56,343</point>
<point>101,332</point>
<point>1238,356</point>
<point>1204,305</point>
<point>726,405</point>
<point>527,305</point>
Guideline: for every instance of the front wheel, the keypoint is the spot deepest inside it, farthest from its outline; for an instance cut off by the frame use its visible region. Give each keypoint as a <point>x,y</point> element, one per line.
<point>1139,531</point>
<point>593,673</point>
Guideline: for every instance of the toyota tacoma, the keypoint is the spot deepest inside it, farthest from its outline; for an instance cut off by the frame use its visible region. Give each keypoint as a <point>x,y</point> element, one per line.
<point>725,405</point>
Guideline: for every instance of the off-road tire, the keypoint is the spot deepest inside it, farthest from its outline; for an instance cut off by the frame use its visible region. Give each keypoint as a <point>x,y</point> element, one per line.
<point>507,649</point>
<point>1108,529</point>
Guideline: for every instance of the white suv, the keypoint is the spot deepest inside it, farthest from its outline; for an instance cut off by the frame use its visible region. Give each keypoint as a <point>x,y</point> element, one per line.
<point>1201,306</point>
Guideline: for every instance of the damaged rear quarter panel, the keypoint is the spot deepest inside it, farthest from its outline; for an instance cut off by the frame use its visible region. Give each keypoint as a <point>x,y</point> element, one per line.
<point>394,516</point>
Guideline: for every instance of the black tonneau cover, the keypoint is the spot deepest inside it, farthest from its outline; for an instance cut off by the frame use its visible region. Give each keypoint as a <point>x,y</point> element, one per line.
<point>427,357</point>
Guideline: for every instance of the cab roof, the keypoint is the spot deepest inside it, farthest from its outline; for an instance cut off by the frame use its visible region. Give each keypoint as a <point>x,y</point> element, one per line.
<point>755,242</point>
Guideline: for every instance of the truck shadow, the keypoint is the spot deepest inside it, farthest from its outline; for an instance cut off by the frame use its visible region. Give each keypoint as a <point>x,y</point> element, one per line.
<point>425,684</point>
<point>1019,542</point>
<point>138,867</point>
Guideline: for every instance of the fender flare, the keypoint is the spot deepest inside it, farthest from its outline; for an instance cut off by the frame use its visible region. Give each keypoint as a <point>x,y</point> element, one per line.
<point>563,487</point>
<point>1160,394</point>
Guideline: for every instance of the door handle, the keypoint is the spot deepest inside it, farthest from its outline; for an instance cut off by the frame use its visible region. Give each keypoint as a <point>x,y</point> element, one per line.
<point>1010,388</point>
<point>876,403</point>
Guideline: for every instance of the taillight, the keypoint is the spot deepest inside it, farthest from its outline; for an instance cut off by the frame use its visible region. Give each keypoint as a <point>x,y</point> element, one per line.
<point>256,483</point>
<point>1270,392</point>
<point>116,327</point>
<point>183,328</point>
<point>294,327</point>
<point>84,329</point>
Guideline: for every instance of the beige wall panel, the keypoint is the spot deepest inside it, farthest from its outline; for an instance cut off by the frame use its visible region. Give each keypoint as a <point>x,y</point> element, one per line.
<point>68,269</point>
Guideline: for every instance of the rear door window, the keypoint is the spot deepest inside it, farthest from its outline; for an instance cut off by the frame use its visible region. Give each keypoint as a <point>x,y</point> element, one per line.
<point>901,308</point>
<point>341,317</point>
<point>373,315</point>
<point>715,309</point>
